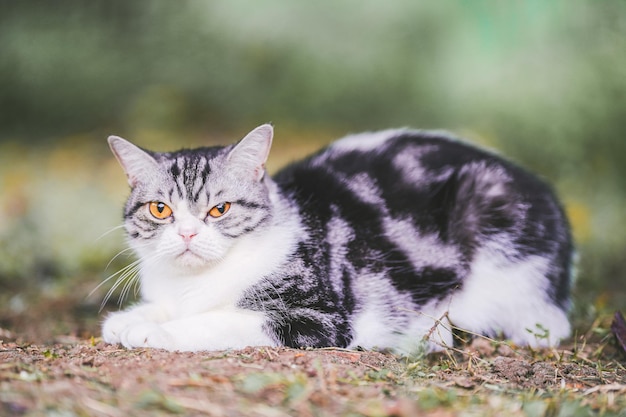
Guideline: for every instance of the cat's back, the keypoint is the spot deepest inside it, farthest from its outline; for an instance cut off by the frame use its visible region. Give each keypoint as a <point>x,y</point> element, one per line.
<point>395,166</point>
<point>410,156</point>
<point>429,183</point>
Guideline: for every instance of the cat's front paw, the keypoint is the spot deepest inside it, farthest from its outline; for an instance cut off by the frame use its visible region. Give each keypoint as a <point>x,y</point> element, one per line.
<point>113,326</point>
<point>147,335</point>
<point>116,323</point>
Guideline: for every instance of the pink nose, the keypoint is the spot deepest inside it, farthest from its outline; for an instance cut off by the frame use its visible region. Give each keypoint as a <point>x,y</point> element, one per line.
<point>187,236</point>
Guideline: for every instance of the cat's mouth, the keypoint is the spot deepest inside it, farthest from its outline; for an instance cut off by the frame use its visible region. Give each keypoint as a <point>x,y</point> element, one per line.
<point>190,258</point>
<point>188,253</point>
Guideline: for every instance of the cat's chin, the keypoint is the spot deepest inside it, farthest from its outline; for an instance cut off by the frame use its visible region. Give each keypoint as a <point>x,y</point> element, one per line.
<point>189,260</point>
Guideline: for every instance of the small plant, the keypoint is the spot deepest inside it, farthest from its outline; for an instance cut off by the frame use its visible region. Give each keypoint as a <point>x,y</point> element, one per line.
<point>540,333</point>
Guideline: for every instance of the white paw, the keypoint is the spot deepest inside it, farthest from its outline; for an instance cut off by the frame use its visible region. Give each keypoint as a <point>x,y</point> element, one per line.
<point>115,324</point>
<point>147,334</point>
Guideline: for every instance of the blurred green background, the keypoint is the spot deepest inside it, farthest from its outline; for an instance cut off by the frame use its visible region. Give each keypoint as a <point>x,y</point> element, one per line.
<point>543,82</point>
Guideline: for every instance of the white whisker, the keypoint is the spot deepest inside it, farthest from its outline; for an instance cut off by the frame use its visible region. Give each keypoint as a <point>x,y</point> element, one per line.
<point>129,271</point>
<point>130,278</point>
<point>126,288</point>
<point>108,232</point>
<point>109,278</point>
<point>116,256</point>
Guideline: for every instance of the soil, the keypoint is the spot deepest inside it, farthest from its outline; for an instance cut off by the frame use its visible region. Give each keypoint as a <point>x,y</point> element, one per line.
<point>88,377</point>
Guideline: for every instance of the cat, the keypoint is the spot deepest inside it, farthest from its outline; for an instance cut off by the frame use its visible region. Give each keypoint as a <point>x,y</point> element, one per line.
<point>383,240</point>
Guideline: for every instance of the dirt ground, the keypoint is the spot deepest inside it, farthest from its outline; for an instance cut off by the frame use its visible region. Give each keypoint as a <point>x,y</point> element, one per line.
<point>75,377</point>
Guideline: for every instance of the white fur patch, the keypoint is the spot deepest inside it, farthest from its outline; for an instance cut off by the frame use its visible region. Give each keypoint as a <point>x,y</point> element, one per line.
<point>500,296</point>
<point>398,326</point>
<point>429,330</point>
<point>413,172</point>
<point>365,189</point>
<point>422,250</point>
<point>368,141</point>
<point>339,234</point>
<point>381,319</point>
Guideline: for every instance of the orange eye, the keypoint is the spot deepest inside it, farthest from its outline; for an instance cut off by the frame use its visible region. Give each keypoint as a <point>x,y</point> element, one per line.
<point>219,210</point>
<point>160,210</point>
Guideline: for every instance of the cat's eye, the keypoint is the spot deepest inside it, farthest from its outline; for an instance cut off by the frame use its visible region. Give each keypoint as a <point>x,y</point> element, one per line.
<point>219,210</point>
<point>160,210</point>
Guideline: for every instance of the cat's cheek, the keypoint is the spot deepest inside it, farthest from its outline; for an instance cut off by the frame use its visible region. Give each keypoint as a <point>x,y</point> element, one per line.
<point>147,335</point>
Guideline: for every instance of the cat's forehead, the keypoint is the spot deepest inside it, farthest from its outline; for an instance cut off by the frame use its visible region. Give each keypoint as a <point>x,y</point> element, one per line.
<point>189,174</point>
<point>191,164</point>
<point>191,157</point>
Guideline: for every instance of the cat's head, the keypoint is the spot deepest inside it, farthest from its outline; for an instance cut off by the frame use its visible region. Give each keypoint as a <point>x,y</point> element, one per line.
<point>188,208</point>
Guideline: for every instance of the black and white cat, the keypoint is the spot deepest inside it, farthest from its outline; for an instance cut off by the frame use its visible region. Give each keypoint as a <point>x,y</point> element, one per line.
<point>381,240</point>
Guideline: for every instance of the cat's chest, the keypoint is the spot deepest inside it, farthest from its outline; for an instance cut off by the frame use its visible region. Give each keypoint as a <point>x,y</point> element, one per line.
<point>222,286</point>
<point>186,294</point>
<point>183,296</point>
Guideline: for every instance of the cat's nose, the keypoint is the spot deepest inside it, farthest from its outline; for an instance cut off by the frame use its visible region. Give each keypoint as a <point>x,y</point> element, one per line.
<point>187,236</point>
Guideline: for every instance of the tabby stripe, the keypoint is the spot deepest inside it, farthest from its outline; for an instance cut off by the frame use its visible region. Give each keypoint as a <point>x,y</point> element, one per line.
<point>248,229</point>
<point>137,235</point>
<point>196,195</point>
<point>204,174</point>
<point>175,171</point>
<point>144,226</point>
<point>250,204</point>
<point>134,209</point>
<point>190,177</point>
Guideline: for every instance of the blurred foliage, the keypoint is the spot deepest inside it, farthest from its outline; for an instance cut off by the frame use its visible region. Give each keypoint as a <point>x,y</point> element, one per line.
<point>542,82</point>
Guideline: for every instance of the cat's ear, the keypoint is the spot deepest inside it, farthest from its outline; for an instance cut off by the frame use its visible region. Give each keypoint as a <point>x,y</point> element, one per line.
<point>136,162</point>
<point>248,157</point>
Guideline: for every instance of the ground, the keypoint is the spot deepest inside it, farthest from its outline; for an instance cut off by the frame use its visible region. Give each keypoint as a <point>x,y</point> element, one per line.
<point>52,363</point>
<point>483,377</point>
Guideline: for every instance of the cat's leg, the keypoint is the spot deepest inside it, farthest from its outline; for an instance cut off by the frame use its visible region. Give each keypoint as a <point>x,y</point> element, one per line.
<point>500,297</point>
<point>214,330</point>
<point>409,331</point>
<point>543,325</point>
<point>429,330</point>
<point>117,323</point>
